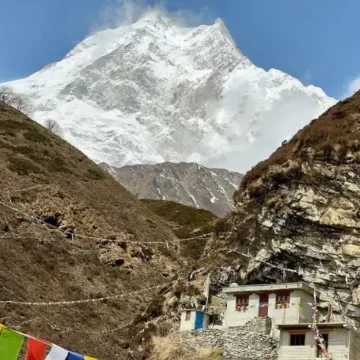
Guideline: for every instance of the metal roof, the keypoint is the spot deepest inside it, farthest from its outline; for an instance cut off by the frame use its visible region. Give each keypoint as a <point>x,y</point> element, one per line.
<point>308,325</point>
<point>268,288</point>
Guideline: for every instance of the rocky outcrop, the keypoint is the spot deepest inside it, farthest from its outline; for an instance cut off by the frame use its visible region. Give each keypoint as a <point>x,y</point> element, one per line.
<point>185,183</point>
<point>300,210</point>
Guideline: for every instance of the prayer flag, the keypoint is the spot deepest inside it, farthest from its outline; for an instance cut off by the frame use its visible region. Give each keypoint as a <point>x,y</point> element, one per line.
<point>10,344</point>
<point>36,350</point>
<point>75,356</point>
<point>57,353</point>
<point>89,358</point>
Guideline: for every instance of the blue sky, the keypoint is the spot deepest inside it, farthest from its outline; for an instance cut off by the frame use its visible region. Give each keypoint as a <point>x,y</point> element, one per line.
<point>313,40</point>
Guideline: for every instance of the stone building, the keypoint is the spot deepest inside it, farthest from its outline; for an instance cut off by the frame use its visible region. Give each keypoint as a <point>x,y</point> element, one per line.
<point>283,303</point>
<point>271,322</point>
<point>297,341</point>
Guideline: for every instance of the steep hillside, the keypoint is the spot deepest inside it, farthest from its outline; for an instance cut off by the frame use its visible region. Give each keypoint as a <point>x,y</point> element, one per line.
<point>300,209</point>
<point>186,183</point>
<point>155,91</point>
<point>194,225</point>
<point>69,231</point>
<point>184,220</point>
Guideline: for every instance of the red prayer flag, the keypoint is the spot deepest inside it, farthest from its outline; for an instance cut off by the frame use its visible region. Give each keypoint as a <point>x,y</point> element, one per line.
<point>36,350</point>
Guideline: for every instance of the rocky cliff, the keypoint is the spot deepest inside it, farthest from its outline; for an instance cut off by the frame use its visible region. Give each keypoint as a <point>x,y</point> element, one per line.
<point>186,183</point>
<point>299,209</point>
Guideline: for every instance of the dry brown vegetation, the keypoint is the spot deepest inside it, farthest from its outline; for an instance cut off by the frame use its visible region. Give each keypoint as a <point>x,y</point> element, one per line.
<point>333,137</point>
<point>43,257</point>
<point>166,348</point>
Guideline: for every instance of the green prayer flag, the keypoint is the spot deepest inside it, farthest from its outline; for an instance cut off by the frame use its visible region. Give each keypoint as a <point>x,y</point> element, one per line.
<point>10,344</point>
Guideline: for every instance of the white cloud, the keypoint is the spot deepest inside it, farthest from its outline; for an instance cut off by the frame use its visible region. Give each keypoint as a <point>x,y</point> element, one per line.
<point>351,87</point>
<point>306,79</point>
<point>124,12</point>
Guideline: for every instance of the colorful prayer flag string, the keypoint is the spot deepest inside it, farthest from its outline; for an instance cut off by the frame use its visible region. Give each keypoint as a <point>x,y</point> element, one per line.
<point>11,343</point>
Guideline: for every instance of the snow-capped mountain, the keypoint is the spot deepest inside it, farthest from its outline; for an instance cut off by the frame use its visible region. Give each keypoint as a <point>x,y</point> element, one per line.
<point>186,183</point>
<point>154,91</point>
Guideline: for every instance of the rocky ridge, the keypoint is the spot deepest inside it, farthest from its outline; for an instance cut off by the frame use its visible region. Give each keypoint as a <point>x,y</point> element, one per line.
<point>186,183</point>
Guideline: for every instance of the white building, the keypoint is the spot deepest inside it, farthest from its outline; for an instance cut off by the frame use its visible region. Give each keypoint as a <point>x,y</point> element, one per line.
<point>297,341</point>
<point>194,319</point>
<point>287,303</point>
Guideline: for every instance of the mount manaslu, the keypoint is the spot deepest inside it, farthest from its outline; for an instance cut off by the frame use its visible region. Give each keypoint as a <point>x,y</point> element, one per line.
<point>155,91</point>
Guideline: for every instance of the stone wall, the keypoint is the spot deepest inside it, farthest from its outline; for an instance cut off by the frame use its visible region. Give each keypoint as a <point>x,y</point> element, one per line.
<point>249,342</point>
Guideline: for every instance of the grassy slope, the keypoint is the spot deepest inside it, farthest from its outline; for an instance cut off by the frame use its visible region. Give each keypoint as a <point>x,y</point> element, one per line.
<point>46,177</point>
<point>186,221</point>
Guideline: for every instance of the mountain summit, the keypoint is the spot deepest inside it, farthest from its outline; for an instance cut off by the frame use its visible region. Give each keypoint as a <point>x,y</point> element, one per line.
<point>154,91</point>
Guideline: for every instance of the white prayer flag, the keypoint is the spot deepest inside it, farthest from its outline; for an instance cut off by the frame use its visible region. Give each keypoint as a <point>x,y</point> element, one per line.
<point>207,287</point>
<point>57,353</point>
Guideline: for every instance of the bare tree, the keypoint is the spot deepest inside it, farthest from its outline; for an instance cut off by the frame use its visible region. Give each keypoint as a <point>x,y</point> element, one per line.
<point>6,95</point>
<point>54,127</point>
<point>18,101</point>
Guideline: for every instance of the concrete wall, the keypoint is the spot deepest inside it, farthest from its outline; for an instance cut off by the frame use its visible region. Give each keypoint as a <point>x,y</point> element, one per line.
<point>206,321</point>
<point>306,311</point>
<point>338,346</point>
<point>339,343</point>
<point>286,315</point>
<point>239,318</point>
<point>187,324</point>
<point>354,346</point>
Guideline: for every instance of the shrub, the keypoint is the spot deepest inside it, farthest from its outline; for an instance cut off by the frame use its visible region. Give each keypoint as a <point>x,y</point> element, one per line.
<point>36,136</point>
<point>23,166</point>
<point>167,348</point>
<point>331,137</point>
<point>95,174</point>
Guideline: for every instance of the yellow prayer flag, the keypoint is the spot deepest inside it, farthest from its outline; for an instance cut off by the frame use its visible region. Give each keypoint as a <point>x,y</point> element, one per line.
<point>89,358</point>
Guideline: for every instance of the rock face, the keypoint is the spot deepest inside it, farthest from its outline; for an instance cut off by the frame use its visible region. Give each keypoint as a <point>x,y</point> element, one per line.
<point>300,209</point>
<point>156,91</point>
<point>186,183</point>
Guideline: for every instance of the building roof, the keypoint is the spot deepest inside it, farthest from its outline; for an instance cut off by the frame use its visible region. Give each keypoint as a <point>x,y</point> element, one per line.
<point>308,325</point>
<point>194,309</point>
<point>268,288</point>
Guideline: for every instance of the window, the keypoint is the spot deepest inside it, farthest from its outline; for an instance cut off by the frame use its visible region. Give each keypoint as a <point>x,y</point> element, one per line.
<point>282,299</point>
<point>297,339</point>
<point>187,315</point>
<point>320,351</point>
<point>242,302</point>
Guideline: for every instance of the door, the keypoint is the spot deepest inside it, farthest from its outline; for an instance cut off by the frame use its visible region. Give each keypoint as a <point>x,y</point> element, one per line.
<point>199,320</point>
<point>263,304</point>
